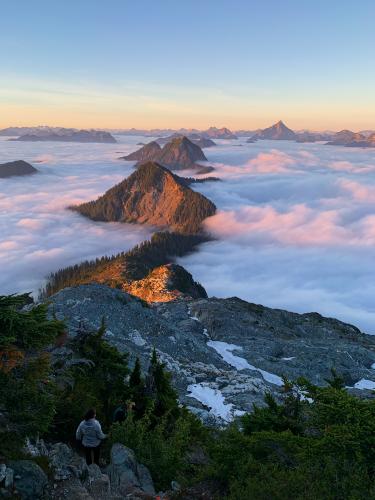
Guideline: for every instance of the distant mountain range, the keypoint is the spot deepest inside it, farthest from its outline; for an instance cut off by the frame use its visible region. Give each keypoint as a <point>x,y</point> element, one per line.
<point>352,139</point>
<point>66,135</point>
<point>178,154</point>
<point>201,138</point>
<point>151,195</point>
<point>16,168</point>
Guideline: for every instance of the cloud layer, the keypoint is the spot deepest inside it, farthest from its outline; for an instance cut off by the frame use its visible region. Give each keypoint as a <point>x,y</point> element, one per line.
<point>295,226</point>
<point>295,229</point>
<point>37,234</point>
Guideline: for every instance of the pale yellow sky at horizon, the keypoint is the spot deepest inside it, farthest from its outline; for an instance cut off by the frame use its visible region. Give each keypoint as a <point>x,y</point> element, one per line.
<point>51,103</point>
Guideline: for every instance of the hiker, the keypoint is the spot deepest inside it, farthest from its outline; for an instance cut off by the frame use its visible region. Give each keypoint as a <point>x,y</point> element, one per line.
<point>90,433</point>
<point>121,413</point>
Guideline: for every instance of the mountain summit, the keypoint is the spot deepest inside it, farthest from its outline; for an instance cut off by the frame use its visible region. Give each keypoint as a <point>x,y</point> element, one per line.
<point>149,152</point>
<point>151,195</point>
<point>279,131</point>
<point>180,153</point>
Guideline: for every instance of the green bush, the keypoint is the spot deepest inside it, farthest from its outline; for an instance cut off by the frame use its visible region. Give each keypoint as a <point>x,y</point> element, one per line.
<point>162,446</point>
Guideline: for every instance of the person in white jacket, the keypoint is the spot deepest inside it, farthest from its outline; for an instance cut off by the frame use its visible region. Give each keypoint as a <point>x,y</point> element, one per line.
<point>90,433</point>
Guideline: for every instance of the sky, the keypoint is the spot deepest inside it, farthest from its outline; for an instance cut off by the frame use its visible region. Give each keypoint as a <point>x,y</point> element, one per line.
<point>238,63</point>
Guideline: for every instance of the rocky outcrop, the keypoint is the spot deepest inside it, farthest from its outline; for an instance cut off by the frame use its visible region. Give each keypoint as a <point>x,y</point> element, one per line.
<point>68,135</point>
<point>151,195</point>
<point>166,283</point>
<point>70,477</point>
<point>30,481</point>
<point>277,132</point>
<point>126,475</point>
<point>224,354</point>
<point>16,168</point>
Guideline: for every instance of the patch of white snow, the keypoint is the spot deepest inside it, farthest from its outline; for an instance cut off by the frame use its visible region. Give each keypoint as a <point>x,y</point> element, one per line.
<point>213,399</point>
<point>365,384</point>
<point>225,351</point>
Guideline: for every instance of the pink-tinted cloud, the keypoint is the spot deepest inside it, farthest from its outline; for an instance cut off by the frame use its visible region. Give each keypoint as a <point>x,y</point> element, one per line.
<point>358,191</point>
<point>300,225</point>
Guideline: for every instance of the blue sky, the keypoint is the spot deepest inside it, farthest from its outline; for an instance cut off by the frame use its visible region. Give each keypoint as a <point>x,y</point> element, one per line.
<point>188,63</point>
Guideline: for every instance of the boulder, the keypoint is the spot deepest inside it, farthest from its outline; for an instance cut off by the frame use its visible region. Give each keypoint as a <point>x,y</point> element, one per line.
<point>126,475</point>
<point>122,470</point>
<point>29,479</point>
<point>97,483</point>
<point>145,479</point>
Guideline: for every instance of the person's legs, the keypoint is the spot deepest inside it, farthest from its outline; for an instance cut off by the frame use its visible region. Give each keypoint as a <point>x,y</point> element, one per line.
<point>96,451</point>
<point>88,452</point>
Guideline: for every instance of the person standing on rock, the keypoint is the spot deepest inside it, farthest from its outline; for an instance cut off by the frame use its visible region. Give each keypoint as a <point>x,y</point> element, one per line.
<point>90,433</point>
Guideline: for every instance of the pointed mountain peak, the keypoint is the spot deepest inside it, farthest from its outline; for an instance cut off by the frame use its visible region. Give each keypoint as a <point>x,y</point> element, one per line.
<point>152,195</point>
<point>279,131</point>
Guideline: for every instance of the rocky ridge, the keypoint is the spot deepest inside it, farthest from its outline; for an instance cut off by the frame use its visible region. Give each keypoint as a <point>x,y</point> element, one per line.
<point>164,284</point>
<point>71,478</point>
<point>224,354</point>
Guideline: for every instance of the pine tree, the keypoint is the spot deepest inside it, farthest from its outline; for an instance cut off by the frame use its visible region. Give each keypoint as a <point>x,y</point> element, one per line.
<point>159,388</point>
<point>136,375</point>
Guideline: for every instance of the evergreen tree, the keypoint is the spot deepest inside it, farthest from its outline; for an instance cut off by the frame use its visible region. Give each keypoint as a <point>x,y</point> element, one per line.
<point>138,391</point>
<point>159,388</point>
<point>27,401</point>
<point>99,381</point>
<point>136,375</point>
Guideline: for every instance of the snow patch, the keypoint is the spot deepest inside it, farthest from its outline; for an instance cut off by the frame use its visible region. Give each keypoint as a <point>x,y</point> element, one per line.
<point>365,384</point>
<point>373,366</point>
<point>213,399</point>
<point>225,351</point>
<point>288,359</point>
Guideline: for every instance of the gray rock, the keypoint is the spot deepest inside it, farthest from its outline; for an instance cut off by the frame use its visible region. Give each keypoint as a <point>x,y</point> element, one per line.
<point>9,478</point>
<point>60,456</point>
<point>270,341</point>
<point>127,476</point>
<point>97,484</point>
<point>145,479</point>
<point>29,479</point>
<point>122,470</point>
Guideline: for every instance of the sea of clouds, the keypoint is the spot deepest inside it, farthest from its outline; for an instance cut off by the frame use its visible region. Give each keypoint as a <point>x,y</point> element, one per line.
<point>38,235</point>
<point>295,226</point>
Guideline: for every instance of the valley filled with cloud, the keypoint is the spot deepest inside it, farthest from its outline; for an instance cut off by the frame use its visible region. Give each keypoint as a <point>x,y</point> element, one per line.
<point>295,227</point>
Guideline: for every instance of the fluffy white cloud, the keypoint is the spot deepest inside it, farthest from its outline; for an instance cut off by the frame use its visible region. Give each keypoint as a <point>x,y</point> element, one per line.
<point>295,226</point>
<point>38,234</point>
<point>298,236</point>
